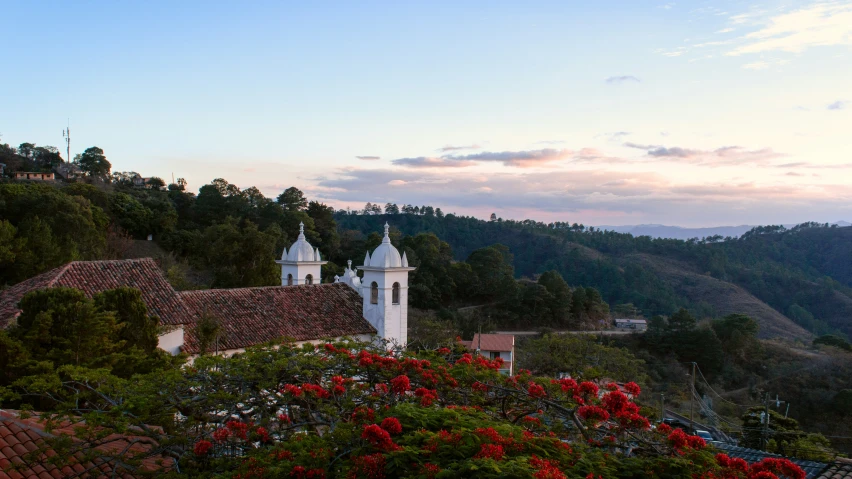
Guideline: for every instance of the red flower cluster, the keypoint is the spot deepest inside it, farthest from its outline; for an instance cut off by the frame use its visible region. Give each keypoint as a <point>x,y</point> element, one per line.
<point>588,388</point>
<point>632,389</point>
<point>400,384</point>
<point>392,425</point>
<point>202,447</point>
<point>680,440</point>
<point>238,429</point>
<point>262,434</point>
<point>593,414</point>
<point>536,390</point>
<point>292,389</point>
<point>444,351</point>
<point>378,437</point>
<point>299,472</point>
<point>427,396</point>
<point>284,419</point>
<point>490,451</point>
<point>363,414</point>
<point>466,358</point>
<point>430,470</point>
<point>777,467</point>
<point>568,385</point>
<point>545,468</point>
<point>769,468</point>
<point>371,466</point>
<point>315,391</point>
<point>221,434</point>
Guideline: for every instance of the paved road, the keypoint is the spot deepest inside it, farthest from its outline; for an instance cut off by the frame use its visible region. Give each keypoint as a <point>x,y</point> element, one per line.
<point>606,332</point>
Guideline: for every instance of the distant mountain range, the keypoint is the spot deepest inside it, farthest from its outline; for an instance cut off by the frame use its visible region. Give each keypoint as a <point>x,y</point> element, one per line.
<point>678,232</point>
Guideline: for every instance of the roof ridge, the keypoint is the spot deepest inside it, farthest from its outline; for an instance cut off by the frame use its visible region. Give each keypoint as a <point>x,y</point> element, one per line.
<point>300,286</point>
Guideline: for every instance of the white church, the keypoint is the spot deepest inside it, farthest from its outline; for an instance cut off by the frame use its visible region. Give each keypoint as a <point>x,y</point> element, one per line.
<point>303,309</point>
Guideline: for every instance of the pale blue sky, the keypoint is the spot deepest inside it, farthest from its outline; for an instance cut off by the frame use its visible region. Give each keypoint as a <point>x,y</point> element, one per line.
<point>599,112</point>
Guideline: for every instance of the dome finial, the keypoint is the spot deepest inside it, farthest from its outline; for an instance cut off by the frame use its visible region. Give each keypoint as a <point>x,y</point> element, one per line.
<point>386,239</point>
<point>349,263</point>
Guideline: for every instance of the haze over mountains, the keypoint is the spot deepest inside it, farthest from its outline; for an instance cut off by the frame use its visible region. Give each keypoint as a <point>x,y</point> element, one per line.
<point>682,233</point>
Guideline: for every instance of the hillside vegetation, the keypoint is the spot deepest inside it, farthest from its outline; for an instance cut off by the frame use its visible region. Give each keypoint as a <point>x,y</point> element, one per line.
<point>794,282</point>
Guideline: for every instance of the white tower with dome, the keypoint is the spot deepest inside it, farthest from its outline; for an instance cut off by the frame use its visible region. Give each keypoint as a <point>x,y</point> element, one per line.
<point>384,289</point>
<point>302,264</point>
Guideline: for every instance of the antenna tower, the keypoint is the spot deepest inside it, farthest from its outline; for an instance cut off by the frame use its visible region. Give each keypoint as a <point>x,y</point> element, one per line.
<point>66,133</point>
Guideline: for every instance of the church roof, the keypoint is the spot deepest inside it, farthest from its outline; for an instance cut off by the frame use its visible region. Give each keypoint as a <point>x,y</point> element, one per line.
<point>258,315</point>
<point>250,315</point>
<point>92,277</point>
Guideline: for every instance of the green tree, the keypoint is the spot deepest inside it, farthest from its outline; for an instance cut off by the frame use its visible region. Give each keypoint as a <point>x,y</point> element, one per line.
<point>94,164</point>
<point>494,272</point>
<point>292,199</point>
<point>579,355</point>
<point>63,326</point>
<point>560,304</point>
<point>682,321</point>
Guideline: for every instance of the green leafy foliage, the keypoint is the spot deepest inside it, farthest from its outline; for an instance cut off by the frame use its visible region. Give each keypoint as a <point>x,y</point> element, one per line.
<point>354,410</point>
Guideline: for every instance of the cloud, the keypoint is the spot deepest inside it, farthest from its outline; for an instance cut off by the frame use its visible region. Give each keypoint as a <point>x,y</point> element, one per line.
<point>725,30</point>
<point>550,142</point>
<point>622,79</point>
<point>821,24</point>
<point>591,195</point>
<point>761,65</point>
<point>432,162</point>
<point>456,148</point>
<point>397,182</point>
<point>838,105</point>
<point>519,159</point>
<point>793,173</point>
<point>369,158</point>
<point>724,156</point>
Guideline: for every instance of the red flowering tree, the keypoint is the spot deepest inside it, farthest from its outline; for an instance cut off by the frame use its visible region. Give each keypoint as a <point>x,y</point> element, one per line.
<point>353,410</point>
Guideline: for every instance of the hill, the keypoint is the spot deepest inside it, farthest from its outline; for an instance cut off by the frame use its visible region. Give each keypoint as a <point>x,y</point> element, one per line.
<point>795,281</point>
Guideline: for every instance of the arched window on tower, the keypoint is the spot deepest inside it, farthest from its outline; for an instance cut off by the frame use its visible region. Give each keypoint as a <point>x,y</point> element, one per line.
<point>396,293</point>
<point>289,280</point>
<point>309,279</point>
<point>374,293</point>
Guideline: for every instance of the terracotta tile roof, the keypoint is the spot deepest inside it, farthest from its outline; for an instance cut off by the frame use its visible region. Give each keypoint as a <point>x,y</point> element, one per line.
<point>493,342</point>
<point>841,469</point>
<point>19,437</point>
<point>95,276</point>
<point>250,315</point>
<point>256,315</point>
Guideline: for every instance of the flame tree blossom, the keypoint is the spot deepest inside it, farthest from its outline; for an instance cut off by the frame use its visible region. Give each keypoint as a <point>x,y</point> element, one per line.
<point>348,409</point>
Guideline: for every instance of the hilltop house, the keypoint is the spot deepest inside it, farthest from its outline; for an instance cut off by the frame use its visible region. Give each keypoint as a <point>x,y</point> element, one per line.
<point>302,309</point>
<point>34,175</point>
<point>634,324</point>
<point>493,346</point>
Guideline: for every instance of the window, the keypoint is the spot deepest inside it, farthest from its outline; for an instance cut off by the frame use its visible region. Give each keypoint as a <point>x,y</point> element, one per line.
<point>289,280</point>
<point>495,354</point>
<point>396,293</point>
<point>309,279</point>
<point>374,293</point>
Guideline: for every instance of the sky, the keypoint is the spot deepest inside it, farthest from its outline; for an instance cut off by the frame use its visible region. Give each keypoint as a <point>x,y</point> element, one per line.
<point>606,112</point>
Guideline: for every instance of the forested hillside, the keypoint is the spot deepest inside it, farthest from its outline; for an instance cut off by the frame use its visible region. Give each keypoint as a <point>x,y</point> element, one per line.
<point>794,282</point>
<point>780,276</point>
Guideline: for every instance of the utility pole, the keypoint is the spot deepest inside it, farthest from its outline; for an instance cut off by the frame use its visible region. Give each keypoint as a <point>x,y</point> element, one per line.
<point>692,400</point>
<point>765,421</point>
<point>662,407</point>
<point>66,133</point>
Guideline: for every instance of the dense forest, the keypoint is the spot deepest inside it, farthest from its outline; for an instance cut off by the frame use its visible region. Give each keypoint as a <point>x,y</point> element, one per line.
<point>802,273</point>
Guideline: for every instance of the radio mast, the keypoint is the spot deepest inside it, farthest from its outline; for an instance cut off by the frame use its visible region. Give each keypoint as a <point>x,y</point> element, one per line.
<point>66,133</point>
